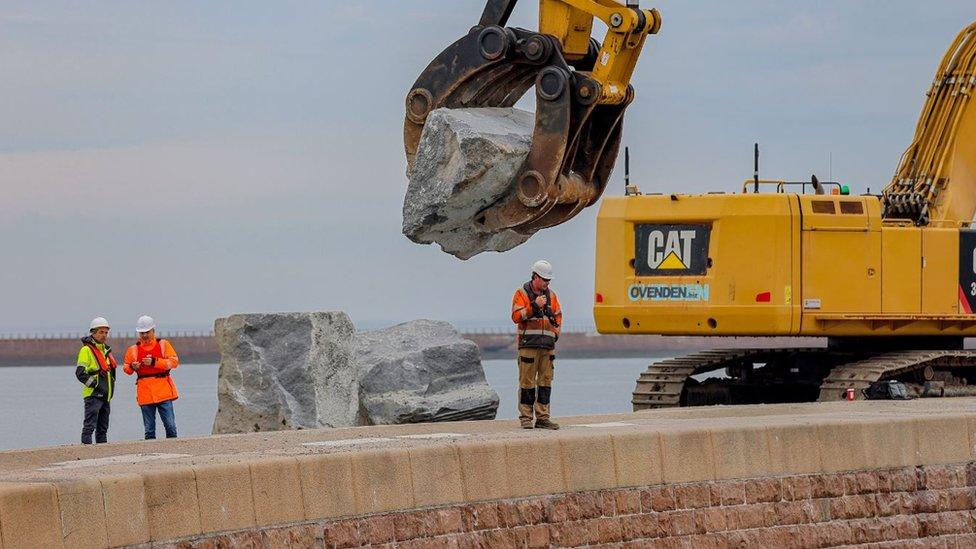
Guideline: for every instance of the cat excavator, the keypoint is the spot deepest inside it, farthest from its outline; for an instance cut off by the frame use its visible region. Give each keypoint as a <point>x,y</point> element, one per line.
<point>582,88</point>
<point>888,280</point>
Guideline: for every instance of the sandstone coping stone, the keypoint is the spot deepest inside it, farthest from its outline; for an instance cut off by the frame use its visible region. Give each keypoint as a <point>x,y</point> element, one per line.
<point>82,514</point>
<point>535,466</point>
<point>687,455</point>
<point>29,516</point>
<point>226,498</point>
<point>435,472</point>
<point>740,453</point>
<point>587,461</point>
<point>484,468</point>
<point>172,506</point>
<point>327,485</point>
<point>637,458</point>
<point>382,480</point>
<point>792,449</point>
<point>126,512</point>
<point>277,489</point>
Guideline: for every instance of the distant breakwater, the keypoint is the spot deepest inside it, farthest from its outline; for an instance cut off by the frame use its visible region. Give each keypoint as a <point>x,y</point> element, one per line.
<point>201,348</point>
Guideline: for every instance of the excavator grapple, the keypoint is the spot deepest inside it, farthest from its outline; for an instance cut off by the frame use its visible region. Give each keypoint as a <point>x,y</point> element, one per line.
<point>581,87</point>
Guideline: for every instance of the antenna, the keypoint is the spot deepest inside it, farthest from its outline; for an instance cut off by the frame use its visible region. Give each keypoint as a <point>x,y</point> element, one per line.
<point>830,166</point>
<point>755,174</point>
<point>629,190</point>
<point>626,167</point>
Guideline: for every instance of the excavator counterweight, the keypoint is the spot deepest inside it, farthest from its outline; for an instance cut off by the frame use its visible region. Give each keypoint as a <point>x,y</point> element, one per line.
<point>581,87</point>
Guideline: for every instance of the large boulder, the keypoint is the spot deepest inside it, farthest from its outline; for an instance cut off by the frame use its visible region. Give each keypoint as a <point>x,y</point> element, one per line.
<point>466,160</point>
<point>305,370</point>
<point>422,371</point>
<point>285,371</point>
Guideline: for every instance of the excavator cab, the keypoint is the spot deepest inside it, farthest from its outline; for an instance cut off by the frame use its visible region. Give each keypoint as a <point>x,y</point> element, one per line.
<point>582,89</point>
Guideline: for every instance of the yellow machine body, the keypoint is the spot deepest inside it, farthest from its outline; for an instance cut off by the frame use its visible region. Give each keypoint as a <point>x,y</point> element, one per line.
<point>778,264</point>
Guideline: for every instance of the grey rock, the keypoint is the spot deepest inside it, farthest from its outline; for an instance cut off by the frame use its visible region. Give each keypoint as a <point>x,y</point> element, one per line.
<point>285,371</point>
<point>306,370</point>
<point>422,371</point>
<point>466,160</point>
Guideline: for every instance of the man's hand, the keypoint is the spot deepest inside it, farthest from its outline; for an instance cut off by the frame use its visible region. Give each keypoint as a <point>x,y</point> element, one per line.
<point>147,361</point>
<point>540,301</point>
<point>134,365</point>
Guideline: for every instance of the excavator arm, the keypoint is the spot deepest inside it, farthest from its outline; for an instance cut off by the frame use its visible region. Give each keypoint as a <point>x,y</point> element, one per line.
<point>935,183</point>
<point>582,89</point>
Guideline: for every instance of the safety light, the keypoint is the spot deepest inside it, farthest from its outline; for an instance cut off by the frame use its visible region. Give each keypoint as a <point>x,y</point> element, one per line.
<point>764,297</point>
<point>599,297</point>
<point>834,190</point>
<point>845,190</point>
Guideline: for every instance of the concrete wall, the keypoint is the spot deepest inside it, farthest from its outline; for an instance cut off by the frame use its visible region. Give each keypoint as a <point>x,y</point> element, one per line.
<point>807,479</point>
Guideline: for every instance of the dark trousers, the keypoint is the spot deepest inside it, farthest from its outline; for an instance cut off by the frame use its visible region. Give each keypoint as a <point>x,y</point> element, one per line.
<point>166,414</point>
<point>96,420</point>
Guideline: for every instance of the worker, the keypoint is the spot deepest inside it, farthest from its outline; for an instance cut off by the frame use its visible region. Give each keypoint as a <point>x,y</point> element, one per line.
<point>536,311</point>
<point>152,360</point>
<point>96,370</point>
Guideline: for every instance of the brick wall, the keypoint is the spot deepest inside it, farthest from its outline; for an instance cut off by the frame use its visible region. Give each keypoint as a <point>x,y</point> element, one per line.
<point>926,506</point>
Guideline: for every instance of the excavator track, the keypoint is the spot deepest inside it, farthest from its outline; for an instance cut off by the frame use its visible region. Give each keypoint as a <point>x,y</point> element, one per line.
<point>818,373</point>
<point>662,384</point>
<point>859,375</point>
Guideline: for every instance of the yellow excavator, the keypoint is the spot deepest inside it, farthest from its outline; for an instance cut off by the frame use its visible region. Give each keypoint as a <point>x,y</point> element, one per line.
<point>889,280</point>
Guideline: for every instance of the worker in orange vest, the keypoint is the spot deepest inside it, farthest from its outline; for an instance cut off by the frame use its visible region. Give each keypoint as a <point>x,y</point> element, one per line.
<point>536,312</point>
<point>152,360</point>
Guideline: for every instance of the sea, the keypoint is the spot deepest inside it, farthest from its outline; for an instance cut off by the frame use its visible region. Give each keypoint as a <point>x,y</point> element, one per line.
<point>42,405</point>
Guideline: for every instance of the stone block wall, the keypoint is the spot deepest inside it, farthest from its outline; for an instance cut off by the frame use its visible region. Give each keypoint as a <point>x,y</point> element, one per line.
<point>928,506</point>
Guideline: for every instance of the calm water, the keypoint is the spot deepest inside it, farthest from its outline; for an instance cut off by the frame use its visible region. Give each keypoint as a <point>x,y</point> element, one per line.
<point>42,406</point>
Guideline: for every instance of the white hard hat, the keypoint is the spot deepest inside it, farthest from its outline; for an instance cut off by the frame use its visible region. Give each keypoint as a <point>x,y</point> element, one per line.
<point>98,322</point>
<point>145,323</point>
<point>542,268</point>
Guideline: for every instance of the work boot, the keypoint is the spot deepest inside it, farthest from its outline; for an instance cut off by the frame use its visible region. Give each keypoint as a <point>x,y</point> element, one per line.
<point>546,424</point>
<point>526,423</point>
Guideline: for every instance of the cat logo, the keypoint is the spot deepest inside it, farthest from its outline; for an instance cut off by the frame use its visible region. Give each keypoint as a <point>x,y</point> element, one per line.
<point>664,250</point>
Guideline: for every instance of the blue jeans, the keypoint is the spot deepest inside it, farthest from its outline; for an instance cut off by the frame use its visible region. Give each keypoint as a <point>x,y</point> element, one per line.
<point>165,413</point>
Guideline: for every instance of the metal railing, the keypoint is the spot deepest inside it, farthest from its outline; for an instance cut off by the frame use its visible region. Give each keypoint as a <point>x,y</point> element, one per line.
<point>112,335</point>
<point>29,336</point>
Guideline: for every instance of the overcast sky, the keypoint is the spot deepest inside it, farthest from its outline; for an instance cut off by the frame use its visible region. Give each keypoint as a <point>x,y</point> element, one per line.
<point>191,160</point>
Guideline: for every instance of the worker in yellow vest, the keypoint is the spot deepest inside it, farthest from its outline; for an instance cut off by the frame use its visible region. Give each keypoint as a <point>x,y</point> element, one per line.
<point>95,368</point>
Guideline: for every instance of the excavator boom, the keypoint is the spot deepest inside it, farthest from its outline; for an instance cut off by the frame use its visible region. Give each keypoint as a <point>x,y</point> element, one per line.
<point>935,182</point>
<point>582,89</point>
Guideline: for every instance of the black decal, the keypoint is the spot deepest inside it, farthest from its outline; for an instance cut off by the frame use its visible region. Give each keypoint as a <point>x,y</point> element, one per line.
<point>671,250</point>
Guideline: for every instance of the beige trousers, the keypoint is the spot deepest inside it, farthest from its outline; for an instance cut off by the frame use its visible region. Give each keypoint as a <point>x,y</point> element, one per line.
<point>535,382</point>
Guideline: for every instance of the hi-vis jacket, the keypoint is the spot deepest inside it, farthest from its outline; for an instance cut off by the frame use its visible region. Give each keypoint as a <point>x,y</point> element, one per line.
<point>538,328</point>
<point>96,369</point>
<point>154,384</point>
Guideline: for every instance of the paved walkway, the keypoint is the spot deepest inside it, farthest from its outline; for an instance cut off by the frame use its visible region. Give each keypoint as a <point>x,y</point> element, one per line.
<point>72,462</point>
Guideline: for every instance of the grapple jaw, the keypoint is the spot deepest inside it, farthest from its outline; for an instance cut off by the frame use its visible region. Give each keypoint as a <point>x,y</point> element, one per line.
<point>575,139</point>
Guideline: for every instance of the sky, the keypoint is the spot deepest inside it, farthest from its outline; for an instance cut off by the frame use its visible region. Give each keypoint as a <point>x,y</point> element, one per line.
<point>192,160</point>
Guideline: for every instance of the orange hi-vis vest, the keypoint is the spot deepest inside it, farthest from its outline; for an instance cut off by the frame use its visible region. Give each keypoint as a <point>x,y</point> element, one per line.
<point>105,363</point>
<point>538,328</point>
<point>154,383</point>
<point>150,371</point>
